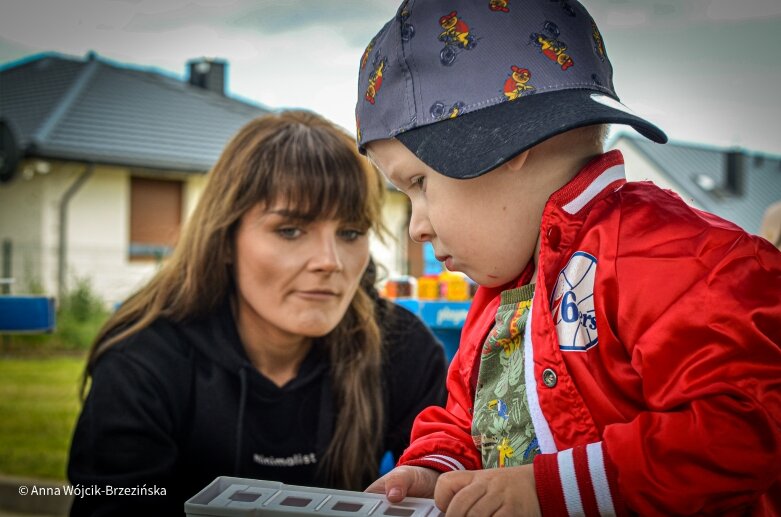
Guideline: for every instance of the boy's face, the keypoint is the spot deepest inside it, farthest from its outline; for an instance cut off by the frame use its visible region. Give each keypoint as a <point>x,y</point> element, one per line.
<point>485,227</point>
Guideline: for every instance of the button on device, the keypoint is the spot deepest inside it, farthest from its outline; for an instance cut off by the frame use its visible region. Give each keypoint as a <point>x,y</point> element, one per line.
<point>549,377</point>
<point>554,237</point>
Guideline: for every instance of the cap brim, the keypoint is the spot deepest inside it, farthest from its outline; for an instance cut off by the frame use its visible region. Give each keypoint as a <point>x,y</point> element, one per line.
<point>474,143</point>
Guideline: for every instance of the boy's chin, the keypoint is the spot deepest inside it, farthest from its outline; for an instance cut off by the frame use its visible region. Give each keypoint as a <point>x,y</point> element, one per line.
<point>487,281</point>
<point>491,281</point>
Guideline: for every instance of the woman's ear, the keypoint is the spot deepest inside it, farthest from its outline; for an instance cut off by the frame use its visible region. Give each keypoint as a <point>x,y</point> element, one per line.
<point>517,162</point>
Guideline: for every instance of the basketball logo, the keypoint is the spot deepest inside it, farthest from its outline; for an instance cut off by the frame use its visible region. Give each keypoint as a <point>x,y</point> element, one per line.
<point>572,304</point>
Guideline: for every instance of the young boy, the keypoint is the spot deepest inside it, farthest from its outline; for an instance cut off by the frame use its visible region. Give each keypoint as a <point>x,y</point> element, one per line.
<point>622,353</point>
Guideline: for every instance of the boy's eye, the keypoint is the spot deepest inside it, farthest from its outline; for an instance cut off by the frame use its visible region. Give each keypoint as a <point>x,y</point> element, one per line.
<point>420,182</point>
<point>288,232</point>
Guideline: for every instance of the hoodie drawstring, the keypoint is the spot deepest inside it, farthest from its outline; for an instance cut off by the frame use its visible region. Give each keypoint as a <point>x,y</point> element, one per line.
<point>240,420</point>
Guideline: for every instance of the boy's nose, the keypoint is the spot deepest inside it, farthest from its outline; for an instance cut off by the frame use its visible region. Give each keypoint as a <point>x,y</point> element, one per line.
<point>420,229</point>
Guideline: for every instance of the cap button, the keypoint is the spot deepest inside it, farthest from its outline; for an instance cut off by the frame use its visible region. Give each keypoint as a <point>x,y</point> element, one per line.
<point>554,237</point>
<point>549,377</point>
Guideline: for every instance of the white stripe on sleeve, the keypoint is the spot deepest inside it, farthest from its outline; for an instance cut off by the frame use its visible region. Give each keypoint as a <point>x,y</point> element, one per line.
<point>569,483</point>
<point>451,463</point>
<point>596,468</point>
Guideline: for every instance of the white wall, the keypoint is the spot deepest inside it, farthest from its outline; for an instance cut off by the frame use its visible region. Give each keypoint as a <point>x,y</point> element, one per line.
<point>98,227</point>
<point>391,256</point>
<point>21,222</point>
<point>98,235</point>
<point>193,188</point>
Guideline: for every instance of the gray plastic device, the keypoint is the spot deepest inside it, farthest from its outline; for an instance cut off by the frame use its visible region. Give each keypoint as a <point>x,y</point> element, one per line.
<point>239,497</point>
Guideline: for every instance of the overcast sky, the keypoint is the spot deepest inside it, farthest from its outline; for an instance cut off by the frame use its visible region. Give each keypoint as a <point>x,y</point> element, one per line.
<point>706,71</point>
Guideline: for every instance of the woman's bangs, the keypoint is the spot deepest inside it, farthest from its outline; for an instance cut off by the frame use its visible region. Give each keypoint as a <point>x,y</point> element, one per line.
<point>326,184</point>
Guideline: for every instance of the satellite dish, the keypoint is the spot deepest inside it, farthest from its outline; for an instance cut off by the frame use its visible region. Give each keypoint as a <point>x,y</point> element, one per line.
<point>9,153</point>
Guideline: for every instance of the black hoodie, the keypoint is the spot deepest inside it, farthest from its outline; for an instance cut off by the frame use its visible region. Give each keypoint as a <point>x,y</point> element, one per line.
<point>176,405</point>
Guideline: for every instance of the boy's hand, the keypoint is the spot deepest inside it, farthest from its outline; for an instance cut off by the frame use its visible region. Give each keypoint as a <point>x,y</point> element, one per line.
<point>497,492</point>
<point>406,481</point>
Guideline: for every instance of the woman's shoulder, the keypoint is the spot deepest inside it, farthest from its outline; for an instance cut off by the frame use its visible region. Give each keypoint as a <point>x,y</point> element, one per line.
<point>396,321</point>
<point>414,363</point>
<point>404,334</point>
<point>160,348</point>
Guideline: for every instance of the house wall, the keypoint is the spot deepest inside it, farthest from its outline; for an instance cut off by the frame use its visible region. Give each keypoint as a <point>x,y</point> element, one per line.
<point>193,189</point>
<point>98,229</point>
<point>639,168</point>
<point>391,256</point>
<point>21,223</point>
<point>98,236</point>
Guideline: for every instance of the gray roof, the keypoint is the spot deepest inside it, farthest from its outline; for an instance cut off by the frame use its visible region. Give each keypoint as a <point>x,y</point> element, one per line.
<point>690,166</point>
<point>98,111</point>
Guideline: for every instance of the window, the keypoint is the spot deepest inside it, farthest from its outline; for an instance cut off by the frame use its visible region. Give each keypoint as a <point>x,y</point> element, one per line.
<point>155,217</point>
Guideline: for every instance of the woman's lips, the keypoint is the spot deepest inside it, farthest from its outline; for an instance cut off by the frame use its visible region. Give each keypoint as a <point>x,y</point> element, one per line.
<point>318,294</point>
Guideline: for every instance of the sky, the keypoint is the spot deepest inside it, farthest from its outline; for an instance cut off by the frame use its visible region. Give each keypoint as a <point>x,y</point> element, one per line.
<point>707,71</point>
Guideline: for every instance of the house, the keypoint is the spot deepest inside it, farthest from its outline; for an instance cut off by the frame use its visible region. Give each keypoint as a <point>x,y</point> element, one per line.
<point>735,184</point>
<point>100,163</point>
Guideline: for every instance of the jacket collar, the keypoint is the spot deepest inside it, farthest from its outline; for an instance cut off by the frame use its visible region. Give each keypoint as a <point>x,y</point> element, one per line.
<point>603,174</point>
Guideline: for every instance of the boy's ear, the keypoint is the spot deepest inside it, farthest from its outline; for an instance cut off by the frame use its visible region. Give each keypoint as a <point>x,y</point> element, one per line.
<point>516,162</point>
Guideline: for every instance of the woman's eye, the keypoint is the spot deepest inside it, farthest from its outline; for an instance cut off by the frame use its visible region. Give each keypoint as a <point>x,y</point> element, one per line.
<point>351,234</point>
<point>289,233</point>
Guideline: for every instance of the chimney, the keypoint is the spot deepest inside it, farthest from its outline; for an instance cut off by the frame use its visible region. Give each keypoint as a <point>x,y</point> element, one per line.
<point>208,74</point>
<point>735,172</point>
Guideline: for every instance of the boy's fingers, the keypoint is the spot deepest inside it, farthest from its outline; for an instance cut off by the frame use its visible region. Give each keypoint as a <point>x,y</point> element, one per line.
<point>405,481</point>
<point>474,500</point>
<point>395,494</point>
<point>395,484</point>
<point>448,486</point>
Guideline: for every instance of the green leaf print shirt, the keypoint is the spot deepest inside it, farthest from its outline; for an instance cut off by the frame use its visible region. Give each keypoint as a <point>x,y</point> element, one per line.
<point>502,426</point>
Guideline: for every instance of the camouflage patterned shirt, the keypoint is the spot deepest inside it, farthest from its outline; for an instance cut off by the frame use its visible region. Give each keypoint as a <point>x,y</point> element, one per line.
<point>502,426</point>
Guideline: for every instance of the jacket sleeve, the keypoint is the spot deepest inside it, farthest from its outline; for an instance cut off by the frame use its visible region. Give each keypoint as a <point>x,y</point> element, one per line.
<point>125,438</point>
<point>700,322</point>
<point>441,437</point>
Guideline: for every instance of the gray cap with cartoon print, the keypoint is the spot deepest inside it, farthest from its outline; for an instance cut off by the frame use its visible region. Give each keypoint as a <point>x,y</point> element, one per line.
<point>468,84</point>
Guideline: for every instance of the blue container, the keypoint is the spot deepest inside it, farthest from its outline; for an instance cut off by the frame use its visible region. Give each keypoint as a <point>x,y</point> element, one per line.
<point>444,318</point>
<point>26,314</point>
<point>431,266</point>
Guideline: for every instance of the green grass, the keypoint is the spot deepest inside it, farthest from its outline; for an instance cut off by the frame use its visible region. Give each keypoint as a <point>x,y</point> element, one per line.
<point>73,333</point>
<point>38,408</point>
<point>80,316</point>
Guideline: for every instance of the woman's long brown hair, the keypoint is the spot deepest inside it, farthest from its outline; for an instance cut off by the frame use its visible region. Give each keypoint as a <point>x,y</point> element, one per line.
<point>306,160</point>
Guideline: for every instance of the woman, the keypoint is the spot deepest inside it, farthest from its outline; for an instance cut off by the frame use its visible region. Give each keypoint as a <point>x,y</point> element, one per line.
<point>260,349</point>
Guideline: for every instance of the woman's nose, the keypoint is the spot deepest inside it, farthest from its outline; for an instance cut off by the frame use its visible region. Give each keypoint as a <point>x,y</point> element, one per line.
<point>327,256</point>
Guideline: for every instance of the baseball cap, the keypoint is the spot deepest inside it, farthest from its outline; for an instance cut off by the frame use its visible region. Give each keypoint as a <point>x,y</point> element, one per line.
<point>466,85</point>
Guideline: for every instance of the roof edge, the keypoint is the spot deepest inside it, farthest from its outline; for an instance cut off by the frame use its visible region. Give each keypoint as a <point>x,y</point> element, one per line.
<point>63,106</point>
<point>699,146</point>
<point>32,58</point>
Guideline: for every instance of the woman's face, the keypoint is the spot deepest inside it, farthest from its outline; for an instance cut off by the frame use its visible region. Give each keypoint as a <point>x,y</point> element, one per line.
<point>295,277</point>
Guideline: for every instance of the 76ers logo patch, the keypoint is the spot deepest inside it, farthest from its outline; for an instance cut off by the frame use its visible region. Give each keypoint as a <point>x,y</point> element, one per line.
<point>572,304</point>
